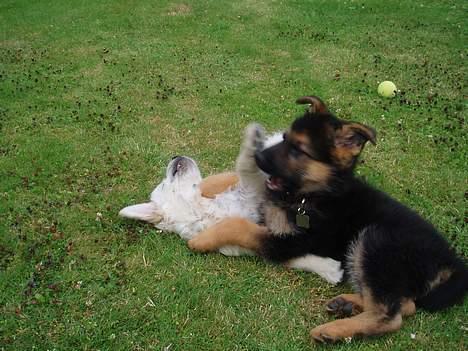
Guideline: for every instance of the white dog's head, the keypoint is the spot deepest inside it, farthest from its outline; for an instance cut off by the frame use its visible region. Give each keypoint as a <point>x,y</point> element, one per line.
<point>174,200</point>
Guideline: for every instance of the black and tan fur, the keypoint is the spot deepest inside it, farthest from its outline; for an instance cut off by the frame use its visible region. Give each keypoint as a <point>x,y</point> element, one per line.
<point>395,260</point>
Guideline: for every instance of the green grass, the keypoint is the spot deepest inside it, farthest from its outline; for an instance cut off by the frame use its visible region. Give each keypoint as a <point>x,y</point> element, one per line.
<point>96,96</point>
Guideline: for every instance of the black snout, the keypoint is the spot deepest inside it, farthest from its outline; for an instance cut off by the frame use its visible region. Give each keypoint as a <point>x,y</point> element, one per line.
<point>176,164</point>
<point>272,160</point>
<point>265,160</point>
<point>175,157</point>
<point>260,160</point>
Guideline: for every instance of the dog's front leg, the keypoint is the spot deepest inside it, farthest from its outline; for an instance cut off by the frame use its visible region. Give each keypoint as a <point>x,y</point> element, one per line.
<point>251,178</point>
<point>230,231</point>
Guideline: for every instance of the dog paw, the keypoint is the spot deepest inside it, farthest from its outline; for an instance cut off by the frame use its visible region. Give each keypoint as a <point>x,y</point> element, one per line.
<point>201,243</point>
<point>321,334</point>
<point>332,273</point>
<point>342,307</point>
<point>335,277</point>
<point>254,137</point>
<point>331,332</point>
<point>196,245</point>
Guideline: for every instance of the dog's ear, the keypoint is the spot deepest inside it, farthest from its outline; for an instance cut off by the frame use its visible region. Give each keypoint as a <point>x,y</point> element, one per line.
<point>147,212</point>
<point>316,105</point>
<point>349,140</point>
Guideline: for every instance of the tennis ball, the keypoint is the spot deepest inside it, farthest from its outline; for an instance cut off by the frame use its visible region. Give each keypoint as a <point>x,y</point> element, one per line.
<point>387,89</point>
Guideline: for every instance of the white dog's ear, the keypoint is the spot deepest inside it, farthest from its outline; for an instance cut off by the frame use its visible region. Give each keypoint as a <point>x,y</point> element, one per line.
<point>147,212</point>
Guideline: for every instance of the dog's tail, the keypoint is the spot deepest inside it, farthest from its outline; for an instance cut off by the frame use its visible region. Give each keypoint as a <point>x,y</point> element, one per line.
<point>449,292</point>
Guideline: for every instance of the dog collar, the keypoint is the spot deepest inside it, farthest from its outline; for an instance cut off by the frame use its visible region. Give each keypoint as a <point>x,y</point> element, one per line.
<point>302,219</point>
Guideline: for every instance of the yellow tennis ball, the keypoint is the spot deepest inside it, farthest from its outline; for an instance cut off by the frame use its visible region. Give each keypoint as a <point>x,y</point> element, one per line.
<point>387,89</point>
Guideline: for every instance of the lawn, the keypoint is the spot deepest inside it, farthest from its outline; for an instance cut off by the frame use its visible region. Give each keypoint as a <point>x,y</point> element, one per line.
<point>97,96</point>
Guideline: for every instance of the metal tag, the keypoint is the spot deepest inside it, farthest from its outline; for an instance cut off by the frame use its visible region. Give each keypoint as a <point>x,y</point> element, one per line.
<point>302,220</point>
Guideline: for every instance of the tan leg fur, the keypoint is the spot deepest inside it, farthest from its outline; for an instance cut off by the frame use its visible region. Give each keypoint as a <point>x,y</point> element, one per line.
<point>364,324</point>
<point>230,231</point>
<point>373,321</point>
<point>408,308</point>
<point>218,183</point>
<point>337,304</point>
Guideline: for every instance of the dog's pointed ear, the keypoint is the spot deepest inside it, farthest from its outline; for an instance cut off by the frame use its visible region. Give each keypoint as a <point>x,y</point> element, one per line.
<point>355,134</point>
<point>349,140</point>
<point>147,212</point>
<point>316,105</point>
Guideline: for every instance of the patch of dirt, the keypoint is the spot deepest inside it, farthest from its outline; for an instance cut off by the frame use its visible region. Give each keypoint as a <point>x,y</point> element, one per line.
<point>179,10</point>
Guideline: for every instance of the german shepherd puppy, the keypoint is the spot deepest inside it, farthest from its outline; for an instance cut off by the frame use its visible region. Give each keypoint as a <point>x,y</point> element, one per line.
<point>395,260</point>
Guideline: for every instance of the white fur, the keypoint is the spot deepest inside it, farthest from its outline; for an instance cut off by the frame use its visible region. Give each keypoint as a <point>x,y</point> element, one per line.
<point>176,205</point>
<point>328,268</point>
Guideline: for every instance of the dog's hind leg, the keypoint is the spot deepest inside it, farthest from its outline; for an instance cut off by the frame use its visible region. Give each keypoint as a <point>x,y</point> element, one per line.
<point>377,318</point>
<point>346,305</point>
<point>230,231</point>
<point>364,324</point>
<point>218,183</point>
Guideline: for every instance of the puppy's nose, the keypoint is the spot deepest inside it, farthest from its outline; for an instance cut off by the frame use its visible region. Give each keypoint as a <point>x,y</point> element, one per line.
<point>259,158</point>
<point>263,162</point>
<point>175,157</point>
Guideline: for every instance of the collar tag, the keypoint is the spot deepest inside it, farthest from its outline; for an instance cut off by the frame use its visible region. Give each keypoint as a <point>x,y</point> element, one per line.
<point>302,220</point>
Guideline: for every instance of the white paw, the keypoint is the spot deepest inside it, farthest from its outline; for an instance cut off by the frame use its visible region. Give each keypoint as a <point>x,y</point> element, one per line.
<point>231,250</point>
<point>326,267</point>
<point>333,273</point>
<point>254,137</point>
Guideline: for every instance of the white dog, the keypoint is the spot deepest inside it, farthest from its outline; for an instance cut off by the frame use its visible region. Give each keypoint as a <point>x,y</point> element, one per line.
<point>177,205</point>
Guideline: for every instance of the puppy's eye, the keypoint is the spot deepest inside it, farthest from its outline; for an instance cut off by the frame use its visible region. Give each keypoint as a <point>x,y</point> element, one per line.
<point>295,152</point>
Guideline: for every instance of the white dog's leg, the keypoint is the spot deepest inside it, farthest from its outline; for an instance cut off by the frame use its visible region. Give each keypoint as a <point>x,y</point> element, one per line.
<point>328,268</point>
<point>231,250</point>
<point>251,177</point>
